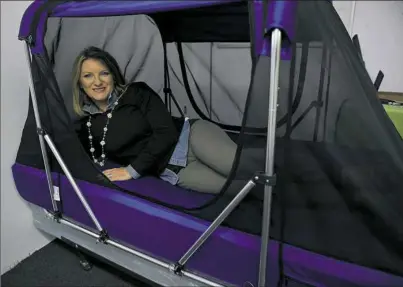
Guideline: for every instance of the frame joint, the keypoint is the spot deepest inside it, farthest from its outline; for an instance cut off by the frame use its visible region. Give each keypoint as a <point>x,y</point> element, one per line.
<point>262,178</point>
<point>177,268</point>
<point>40,131</point>
<point>28,39</point>
<point>57,216</point>
<point>103,236</point>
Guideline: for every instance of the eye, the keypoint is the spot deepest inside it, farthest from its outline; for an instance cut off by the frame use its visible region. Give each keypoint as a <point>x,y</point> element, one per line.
<point>105,73</point>
<point>87,75</point>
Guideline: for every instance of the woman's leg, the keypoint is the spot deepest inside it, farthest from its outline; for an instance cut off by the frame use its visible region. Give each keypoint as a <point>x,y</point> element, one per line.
<point>199,177</point>
<point>212,146</point>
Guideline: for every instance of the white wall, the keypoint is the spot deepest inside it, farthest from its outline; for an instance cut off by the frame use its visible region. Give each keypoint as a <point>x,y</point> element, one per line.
<point>378,25</point>
<point>19,238</point>
<point>344,9</point>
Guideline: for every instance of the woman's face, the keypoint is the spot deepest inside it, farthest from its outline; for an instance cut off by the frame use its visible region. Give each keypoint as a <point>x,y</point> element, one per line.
<point>96,80</point>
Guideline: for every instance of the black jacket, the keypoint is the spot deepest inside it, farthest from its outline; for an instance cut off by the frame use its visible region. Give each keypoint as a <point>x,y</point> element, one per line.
<point>141,132</point>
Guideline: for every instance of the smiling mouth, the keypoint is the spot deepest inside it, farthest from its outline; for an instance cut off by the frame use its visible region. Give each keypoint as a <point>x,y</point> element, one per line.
<point>99,90</point>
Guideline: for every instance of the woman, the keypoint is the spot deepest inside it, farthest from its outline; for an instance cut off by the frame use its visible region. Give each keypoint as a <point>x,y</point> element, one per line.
<point>128,124</point>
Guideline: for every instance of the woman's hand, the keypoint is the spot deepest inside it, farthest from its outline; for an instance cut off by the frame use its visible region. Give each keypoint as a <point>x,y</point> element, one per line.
<point>117,174</point>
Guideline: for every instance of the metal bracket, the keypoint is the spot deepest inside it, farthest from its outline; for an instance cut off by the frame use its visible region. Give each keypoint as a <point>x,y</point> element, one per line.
<point>41,131</point>
<point>28,39</point>
<point>56,216</point>
<point>103,236</point>
<point>177,268</point>
<point>262,178</point>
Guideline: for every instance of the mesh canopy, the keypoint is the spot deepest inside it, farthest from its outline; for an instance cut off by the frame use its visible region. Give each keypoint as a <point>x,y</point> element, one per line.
<point>338,159</point>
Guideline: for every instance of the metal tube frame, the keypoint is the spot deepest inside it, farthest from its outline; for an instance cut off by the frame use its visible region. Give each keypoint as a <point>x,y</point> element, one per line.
<point>271,133</point>
<point>214,225</point>
<point>139,254</point>
<point>39,126</point>
<point>73,182</point>
<point>268,178</point>
<point>103,236</point>
<point>45,137</point>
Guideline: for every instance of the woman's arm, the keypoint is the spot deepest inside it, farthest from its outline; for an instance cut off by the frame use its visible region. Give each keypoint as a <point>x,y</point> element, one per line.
<point>164,133</point>
<point>81,132</point>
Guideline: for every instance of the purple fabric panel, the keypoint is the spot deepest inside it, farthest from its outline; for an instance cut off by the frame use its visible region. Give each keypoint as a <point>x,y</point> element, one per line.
<point>229,255</point>
<point>39,46</point>
<point>26,20</point>
<point>25,178</point>
<point>110,8</point>
<point>128,219</point>
<point>282,15</point>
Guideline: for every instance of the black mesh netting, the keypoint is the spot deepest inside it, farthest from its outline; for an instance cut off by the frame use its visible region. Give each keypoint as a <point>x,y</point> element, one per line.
<point>338,159</point>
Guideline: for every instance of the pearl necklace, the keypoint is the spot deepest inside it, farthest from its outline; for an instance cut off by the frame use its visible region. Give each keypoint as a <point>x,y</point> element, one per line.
<point>101,160</point>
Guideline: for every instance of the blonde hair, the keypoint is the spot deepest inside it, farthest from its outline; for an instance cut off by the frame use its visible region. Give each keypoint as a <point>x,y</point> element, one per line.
<point>77,94</point>
<point>108,61</point>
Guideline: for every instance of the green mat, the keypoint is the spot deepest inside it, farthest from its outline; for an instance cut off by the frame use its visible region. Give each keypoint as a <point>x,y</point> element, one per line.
<point>396,115</point>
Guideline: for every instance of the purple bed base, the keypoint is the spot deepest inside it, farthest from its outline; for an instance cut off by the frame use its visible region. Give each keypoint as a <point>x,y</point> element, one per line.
<point>229,255</point>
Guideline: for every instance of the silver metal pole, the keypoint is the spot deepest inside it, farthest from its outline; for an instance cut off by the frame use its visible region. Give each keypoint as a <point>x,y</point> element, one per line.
<point>39,126</point>
<point>73,182</point>
<point>216,223</point>
<point>148,258</point>
<point>202,280</point>
<point>271,133</point>
<point>117,245</point>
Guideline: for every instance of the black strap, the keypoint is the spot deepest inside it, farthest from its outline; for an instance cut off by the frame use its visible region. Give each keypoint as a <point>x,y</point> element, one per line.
<point>329,68</point>
<point>169,97</point>
<point>196,107</point>
<point>301,83</point>
<point>314,104</point>
<point>378,80</point>
<point>320,92</point>
<point>167,87</point>
<point>289,114</point>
